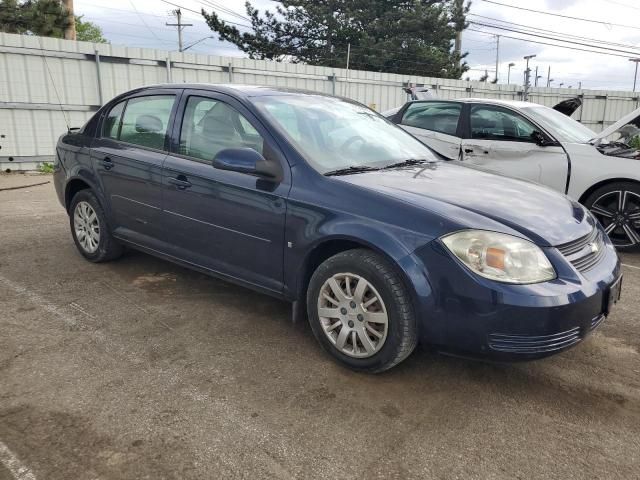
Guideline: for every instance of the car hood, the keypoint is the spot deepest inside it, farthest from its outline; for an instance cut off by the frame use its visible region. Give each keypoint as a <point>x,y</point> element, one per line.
<point>538,213</point>
<point>632,119</point>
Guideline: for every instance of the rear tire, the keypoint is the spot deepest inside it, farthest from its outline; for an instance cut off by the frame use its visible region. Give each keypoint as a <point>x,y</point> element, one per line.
<point>617,207</point>
<point>360,311</point>
<point>90,229</point>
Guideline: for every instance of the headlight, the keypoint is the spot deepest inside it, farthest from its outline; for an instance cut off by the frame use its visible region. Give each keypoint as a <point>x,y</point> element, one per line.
<point>500,257</point>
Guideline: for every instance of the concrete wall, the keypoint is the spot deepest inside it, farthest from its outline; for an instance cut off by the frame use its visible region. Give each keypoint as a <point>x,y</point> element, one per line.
<point>47,83</point>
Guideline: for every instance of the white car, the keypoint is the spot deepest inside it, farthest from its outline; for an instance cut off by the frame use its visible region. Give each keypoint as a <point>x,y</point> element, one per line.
<point>538,143</point>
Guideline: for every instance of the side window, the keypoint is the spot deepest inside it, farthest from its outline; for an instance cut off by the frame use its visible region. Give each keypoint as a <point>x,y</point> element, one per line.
<point>495,123</point>
<point>111,124</point>
<point>146,119</point>
<point>435,116</point>
<point>209,126</point>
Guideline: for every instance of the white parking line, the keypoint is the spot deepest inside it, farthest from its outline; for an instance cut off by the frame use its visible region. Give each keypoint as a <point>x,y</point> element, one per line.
<point>14,465</point>
<point>630,266</point>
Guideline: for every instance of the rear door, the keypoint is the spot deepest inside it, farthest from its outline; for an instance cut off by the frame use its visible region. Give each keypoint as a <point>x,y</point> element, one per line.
<point>502,140</point>
<point>127,157</point>
<point>436,124</point>
<point>225,221</point>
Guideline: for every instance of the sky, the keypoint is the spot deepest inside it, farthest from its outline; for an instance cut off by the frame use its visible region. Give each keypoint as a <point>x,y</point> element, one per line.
<point>141,23</point>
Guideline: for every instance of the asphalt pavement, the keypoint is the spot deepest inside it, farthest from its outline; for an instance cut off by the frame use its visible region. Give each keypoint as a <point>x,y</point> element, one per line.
<point>140,369</point>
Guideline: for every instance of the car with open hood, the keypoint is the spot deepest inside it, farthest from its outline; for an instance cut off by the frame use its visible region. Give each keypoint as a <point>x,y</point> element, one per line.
<point>541,144</point>
<point>322,202</point>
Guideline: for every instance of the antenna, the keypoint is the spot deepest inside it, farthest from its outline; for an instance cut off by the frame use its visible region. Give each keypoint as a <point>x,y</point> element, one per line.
<point>53,83</point>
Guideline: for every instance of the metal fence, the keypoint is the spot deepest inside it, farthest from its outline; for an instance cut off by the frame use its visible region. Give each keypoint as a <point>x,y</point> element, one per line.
<point>47,84</point>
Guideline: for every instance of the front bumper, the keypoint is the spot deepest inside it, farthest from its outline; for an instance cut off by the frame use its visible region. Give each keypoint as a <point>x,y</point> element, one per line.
<point>471,316</point>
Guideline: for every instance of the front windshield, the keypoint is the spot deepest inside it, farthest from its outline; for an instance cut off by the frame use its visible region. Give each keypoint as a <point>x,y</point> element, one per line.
<point>564,128</point>
<point>333,134</point>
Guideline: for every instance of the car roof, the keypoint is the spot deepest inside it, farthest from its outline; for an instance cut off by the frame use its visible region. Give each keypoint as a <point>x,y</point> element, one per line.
<point>236,89</point>
<point>490,101</point>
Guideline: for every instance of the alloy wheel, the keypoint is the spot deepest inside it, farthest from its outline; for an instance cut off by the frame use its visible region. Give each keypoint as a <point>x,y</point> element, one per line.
<point>353,315</point>
<point>619,213</point>
<point>86,226</point>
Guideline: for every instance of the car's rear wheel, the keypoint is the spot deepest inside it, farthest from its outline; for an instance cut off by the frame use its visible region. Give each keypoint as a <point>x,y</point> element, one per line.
<point>360,311</point>
<point>617,207</point>
<point>90,229</point>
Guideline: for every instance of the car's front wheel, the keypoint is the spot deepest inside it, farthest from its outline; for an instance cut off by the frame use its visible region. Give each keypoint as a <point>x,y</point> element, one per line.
<point>360,311</point>
<point>617,207</point>
<point>90,229</point>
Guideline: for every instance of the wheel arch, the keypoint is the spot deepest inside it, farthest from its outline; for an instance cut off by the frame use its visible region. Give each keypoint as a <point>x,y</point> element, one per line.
<point>331,246</point>
<point>72,187</point>
<point>603,183</point>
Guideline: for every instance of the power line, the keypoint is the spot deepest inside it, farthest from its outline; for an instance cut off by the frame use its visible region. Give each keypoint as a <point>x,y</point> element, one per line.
<point>142,20</point>
<point>200,13</point>
<point>554,32</point>
<point>553,44</point>
<point>553,38</point>
<point>223,9</point>
<point>601,22</point>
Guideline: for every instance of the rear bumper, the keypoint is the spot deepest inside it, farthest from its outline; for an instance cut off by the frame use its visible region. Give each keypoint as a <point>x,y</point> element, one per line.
<point>471,316</point>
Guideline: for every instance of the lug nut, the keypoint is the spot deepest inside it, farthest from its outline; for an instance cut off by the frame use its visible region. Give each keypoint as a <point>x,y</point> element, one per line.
<point>350,323</point>
<point>343,311</point>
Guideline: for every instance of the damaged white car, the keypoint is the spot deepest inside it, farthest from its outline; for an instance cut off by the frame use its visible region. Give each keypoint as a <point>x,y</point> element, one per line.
<point>540,144</point>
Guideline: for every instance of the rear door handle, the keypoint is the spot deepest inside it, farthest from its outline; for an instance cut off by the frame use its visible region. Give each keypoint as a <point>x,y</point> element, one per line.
<point>180,182</point>
<point>468,150</point>
<point>107,163</point>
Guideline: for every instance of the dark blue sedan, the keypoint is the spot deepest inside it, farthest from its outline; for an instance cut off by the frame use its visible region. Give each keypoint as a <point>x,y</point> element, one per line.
<point>323,202</point>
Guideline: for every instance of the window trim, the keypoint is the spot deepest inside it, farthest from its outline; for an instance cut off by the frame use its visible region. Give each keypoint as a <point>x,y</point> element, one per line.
<point>176,93</point>
<point>459,128</point>
<point>174,149</point>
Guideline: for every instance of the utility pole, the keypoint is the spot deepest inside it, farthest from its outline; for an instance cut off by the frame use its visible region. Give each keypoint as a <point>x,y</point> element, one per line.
<point>457,47</point>
<point>527,78</point>
<point>549,79</point>
<point>346,81</point>
<point>535,82</point>
<point>497,55</point>
<point>178,13</point>
<point>70,31</point>
<point>635,75</point>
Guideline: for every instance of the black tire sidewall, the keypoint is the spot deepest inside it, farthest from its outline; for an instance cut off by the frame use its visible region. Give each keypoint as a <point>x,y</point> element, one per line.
<point>388,354</point>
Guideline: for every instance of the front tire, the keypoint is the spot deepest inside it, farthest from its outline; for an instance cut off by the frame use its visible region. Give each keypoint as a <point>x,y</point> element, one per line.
<point>360,311</point>
<point>90,229</point>
<point>617,207</point>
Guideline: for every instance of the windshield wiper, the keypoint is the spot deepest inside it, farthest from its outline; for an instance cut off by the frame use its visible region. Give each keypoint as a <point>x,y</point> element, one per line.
<point>407,163</point>
<point>350,170</point>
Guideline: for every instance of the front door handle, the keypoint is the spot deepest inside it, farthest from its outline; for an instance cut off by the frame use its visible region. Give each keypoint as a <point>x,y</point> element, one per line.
<point>180,182</point>
<point>107,163</point>
<point>468,150</point>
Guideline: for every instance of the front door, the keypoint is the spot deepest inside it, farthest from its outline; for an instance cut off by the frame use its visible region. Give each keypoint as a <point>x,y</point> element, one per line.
<point>127,157</point>
<point>502,140</point>
<point>228,222</point>
<point>435,124</point>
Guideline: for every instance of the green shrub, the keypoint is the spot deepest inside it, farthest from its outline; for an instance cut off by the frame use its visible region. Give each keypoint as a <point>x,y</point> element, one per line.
<point>45,167</point>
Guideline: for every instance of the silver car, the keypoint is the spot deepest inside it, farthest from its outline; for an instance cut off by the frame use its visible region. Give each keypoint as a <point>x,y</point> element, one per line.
<point>538,143</point>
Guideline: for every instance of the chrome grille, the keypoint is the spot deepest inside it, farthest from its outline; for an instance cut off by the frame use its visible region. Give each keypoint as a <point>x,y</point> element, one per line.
<point>584,253</point>
<point>533,344</point>
<point>595,323</point>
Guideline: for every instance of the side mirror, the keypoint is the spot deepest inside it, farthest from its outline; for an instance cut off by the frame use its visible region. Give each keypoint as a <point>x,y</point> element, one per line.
<point>247,160</point>
<point>540,139</point>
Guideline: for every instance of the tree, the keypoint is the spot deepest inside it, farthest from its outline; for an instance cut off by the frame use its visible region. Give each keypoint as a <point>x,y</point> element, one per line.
<point>395,36</point>
<point>88,32</point>
<point>47,18</point>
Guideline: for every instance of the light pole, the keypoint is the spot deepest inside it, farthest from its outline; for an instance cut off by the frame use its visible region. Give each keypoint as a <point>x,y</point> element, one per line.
<point>635,75</point>
<point>509,72</point>
<point>561,84</point>
<point>527,75</point>
<point>196,42</point>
